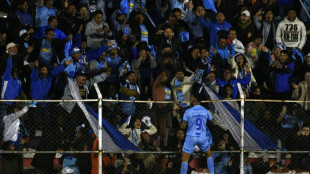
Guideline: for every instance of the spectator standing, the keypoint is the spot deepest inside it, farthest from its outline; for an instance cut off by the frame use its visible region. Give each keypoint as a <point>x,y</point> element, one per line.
<point>182,88</point>
<point>222,51</point>
<point>129,90</point>
<point>144,65</point>
<point>41,84</point>
<point>193,19</point>
<point>232,39</point>
<point>11,84</point>
<point>68,19</point>
<point>245,27</point>
<point>163,121</point>
<point>219,25</point>
<point>283,70</point>
<point>97,31</point>
<point>291,31</point>
<point>267,27</point>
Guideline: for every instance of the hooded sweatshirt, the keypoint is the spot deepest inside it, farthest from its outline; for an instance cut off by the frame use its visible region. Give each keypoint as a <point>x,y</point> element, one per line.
<point>292,34</point>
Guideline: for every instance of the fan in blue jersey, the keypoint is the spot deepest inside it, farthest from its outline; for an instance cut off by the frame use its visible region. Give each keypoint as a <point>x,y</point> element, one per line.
<point>197,133</point>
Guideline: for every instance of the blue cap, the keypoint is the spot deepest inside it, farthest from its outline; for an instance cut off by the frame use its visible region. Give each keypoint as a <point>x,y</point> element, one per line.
<point>75,50</point>
<point>280,45</point>
<point>112,46</point>
<point>123,7</point>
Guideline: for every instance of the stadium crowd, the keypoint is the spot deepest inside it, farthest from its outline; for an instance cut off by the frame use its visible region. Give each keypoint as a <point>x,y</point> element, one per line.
<point>156,50</point>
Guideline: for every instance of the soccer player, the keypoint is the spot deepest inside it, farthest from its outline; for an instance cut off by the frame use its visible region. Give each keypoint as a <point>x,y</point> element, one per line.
<point>197,133</point>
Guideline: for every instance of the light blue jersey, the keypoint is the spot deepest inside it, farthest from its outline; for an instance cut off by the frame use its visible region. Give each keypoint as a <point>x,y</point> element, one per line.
<point>197,130</point>
<point>196,118</point>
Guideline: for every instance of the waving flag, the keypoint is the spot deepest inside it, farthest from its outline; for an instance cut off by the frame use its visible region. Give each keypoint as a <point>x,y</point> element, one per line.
<point>254,139</point>
<point>113,140</point>
<point>209,4</point>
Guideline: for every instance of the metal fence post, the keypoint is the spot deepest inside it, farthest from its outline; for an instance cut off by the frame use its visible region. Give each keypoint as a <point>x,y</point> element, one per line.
<point>242,128</point>
<point>99,128</point>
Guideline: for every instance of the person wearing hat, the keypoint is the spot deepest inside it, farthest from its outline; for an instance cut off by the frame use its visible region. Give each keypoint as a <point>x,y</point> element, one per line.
<point>245,27</point>
<point>291,32</point>
<point>75,115</point>
<point>97,30</point>
<point>113,61</point>
<point>11,84</point>
<point>266,27</point>
<point>276,51</point>
<point>11,51</point>
<point>7,63</point>
<point>75,65</point>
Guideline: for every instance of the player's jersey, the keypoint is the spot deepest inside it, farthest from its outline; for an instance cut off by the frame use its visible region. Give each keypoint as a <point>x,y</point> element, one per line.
<point>197,117</point>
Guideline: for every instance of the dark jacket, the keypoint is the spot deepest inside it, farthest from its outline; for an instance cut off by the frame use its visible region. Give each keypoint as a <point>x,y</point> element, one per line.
<point>243,30</point>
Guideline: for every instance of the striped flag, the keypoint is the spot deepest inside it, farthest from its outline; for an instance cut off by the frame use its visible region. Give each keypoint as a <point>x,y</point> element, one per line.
<point>254,139</point>
<point>113,140</point>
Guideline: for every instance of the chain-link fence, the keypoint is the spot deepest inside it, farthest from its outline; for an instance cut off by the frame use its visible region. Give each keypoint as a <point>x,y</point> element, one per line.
<point>147,137</point>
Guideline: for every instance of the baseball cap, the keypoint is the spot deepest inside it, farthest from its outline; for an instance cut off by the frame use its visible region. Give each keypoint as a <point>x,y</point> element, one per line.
<point>112,46</point>
<point>75,50</point>
<point>10,45</point>
<point>80,73</point>
<point>246,12</point>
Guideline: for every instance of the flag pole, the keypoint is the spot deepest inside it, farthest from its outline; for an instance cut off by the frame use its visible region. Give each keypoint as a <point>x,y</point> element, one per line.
<point>303,6</point>
<point>242,128</point>
<point>100,128</point>
<point>148,16</point>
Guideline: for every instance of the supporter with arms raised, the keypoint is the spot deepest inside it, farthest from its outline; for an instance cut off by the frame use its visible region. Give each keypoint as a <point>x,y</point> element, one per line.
<point>228,79</point>
<point>133,133</point>
<point>41,86</point>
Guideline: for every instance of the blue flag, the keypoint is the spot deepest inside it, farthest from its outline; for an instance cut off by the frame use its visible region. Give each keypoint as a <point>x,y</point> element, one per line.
<point>123,7</point>
<point>209,4</point>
